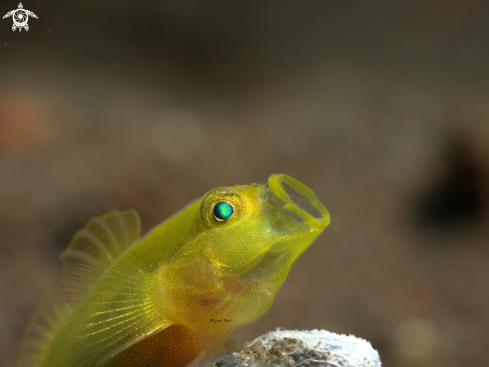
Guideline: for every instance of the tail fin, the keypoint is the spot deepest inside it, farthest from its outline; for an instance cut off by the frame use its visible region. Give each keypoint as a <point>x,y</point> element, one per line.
<point>41,329</point>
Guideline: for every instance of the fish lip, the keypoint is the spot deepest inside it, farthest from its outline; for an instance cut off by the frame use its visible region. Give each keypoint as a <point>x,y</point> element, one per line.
<point>291,206</point>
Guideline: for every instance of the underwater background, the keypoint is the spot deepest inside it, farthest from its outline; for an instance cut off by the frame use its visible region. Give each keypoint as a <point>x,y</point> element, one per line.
<point>380,107</point>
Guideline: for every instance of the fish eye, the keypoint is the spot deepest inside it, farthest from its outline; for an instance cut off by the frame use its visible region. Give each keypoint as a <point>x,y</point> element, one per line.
<point>223,211</point>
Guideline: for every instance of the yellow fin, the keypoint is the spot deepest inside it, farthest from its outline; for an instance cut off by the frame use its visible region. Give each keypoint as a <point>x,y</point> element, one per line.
<point>95,248</point>
<point>41,329</point>
<point>110,305</point>
<point>116,313</point>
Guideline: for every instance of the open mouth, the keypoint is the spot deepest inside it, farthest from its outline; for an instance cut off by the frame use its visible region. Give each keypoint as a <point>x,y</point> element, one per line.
<point>292,206</point>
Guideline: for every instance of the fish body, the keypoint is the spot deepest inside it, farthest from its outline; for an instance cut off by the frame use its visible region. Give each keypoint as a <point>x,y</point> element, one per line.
<point>177,294</point>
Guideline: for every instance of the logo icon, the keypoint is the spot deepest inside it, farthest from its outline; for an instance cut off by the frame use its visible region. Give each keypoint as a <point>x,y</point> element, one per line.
<point>20,17</point>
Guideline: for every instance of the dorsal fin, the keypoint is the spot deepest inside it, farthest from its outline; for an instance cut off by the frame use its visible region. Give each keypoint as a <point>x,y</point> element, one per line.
<point>41,329</point>
<point>95,248</point>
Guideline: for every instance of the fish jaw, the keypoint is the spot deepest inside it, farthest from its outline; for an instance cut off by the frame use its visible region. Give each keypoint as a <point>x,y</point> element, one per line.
<point>291,207</point>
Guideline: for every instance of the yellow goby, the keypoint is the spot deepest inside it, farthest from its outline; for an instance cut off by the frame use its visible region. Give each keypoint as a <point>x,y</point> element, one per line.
<point>175,295</point>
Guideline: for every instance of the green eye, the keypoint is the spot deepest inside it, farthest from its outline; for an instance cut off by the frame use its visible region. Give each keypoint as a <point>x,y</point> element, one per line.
<point>223,210</point>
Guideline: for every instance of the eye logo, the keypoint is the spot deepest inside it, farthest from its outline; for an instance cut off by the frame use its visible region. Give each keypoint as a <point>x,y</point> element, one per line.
<point>20,17</point>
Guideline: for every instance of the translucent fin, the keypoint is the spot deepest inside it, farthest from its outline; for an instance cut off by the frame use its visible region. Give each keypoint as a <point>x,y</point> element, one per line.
<point>110,297</point>
<point>41,329</point>
<point>228,346</point>
<point>95,248</point>
<point>117,312</point>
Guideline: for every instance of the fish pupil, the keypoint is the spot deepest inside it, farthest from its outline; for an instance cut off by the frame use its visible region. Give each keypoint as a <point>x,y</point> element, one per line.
<point>223,210</point>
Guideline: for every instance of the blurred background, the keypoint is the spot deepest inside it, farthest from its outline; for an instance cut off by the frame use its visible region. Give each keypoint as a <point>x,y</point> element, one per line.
<point>381,107</point>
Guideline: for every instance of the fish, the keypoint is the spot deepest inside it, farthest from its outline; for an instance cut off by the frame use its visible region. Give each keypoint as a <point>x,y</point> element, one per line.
<point>173,297</point>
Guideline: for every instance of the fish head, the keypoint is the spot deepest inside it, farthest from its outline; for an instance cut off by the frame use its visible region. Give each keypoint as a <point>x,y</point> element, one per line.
<point>257,232</point>
<point>245,239</point>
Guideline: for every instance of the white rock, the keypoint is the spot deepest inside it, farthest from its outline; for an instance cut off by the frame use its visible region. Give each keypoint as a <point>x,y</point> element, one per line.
<point>302,348</point>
